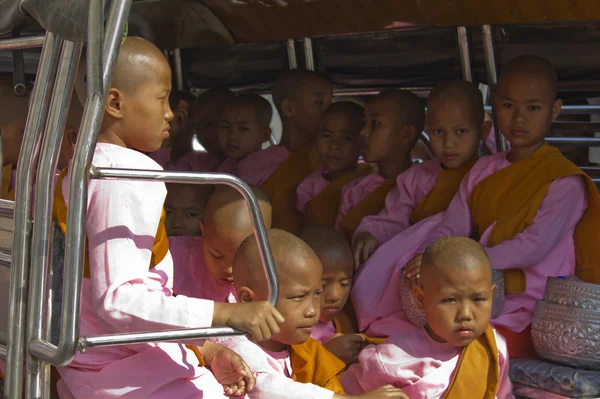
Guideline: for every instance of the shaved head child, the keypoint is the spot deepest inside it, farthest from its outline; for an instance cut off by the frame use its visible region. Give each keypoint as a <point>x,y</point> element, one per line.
<point>290,362</point>
<point>244,130</point>
<point>457,354</point>
<point>128,269</point>
<point>455,125</point>
<point>533,209</point>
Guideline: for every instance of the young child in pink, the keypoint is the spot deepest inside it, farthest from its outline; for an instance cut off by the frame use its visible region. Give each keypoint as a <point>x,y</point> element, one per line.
<point>203,265</point>
<point>457,354</point>
<point>184,208</point>
<point>336,259</point>
<point>338,146</point>
<point>128,269</point>
<point>244,129</point>
<point>291,364</point>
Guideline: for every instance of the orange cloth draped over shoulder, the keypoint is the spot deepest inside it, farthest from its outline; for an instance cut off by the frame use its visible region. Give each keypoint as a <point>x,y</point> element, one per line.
<point>281,187</point>
<point>438,199</point>
<point>7,193</point>
<point>322,210</point>
<point>477,373</point>
<point>371,205</point>
<point>59,213</point>
<point>341,328</point>
<point>314,364</point>
<point>199,356</point>
<point>511,198</point>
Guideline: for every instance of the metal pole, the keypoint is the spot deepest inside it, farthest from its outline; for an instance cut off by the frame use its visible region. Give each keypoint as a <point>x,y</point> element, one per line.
<point>99,80</point>
<point>291,51</point>
<point>37,385</point>
<point>309,57</point>
<point>490,66</point>
<point>178,69</point>
<point>38,111</point>
<point>465,58</point>
<point>21,43</point>
<point>574,141</point>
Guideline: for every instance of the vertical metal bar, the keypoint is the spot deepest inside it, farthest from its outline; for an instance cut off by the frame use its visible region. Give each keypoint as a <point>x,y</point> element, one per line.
<point>291,52</point>
<point>98,82</point>
<point>309,57</point>
<point>465,57</point>
<point>490,66</point>
<point>19,87</point>
<point>37,386</point>
<point>178,69</point>
<point>38,110</point>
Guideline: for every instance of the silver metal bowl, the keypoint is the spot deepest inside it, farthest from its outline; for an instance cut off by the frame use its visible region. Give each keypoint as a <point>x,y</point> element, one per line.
<point>418,318</point>
<point>572,292</point>
<point>567,335</point>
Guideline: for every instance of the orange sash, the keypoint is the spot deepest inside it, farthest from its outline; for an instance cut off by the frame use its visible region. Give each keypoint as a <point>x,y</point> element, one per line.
<point>59,213</point>
<point>371,205</point>
<point>281,187</point>
<point>477,373</point>
<point>368,340</point>
<point>322,210</point>
<point>438,199</point>
<point>314,364</point>
<point>511,197</point>
<point>199,356</point>
<point>7,193</point>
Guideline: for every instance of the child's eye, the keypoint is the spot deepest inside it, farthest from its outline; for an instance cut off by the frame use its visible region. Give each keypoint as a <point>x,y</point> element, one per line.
<point>437,131</point>
<point>348,138</point>
<point>462,131</point>
<point>345,284</point>
<point>325,135</point>
<point>194,215</point>
<point>534,108</point>
<point>298,298</point>
<point>318,293</point>
<point>375,123</point>
<point>216,256</point>
<point>224,126</point>
<point>508,105</point>
<point>244,128</point>
<point>448,300</point>
<point>480,299</point>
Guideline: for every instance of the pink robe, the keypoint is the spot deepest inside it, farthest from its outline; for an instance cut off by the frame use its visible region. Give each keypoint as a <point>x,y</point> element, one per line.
<point>544,249</point>
<point>417,364</point>
<point>323,332</point>
<point>191,275</point>
<point>411,187</point>
<point>192,162</point>
<point>273,372</point>
<point>256,167</point>
<point>122,295</point>
<point>355,191</point>
<point>310,187</point>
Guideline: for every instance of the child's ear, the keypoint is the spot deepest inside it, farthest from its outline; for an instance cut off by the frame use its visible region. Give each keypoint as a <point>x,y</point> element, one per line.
<point>418,297</point>
<point>287,108</point>
<point>201,223</point>
<point>71,137</point>
<point>410,134</point>
<point>267,135</point>
<point>245,294</point>
<point>494,289</point>
<point>556,107</point>
<point>114,103</point>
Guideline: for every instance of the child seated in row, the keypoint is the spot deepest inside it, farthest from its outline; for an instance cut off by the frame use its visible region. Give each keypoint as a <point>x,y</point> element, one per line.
<point>393,122</point>
<point>534,211</point>
<point>203,265</point>
<point>335,256</point>
<point>184,208</point>
<point>128,268</point>
<point>455,125</point>
<point>300,97</point>
<point>457,354</point>
<point>244,130</point>
<point>290,364</point>
<point>338,146</point>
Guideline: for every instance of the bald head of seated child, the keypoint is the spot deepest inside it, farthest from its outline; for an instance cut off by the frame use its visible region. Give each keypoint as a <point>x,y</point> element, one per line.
<point>245,125</point>
<point>457,353</point>
<point>184,207</point>
<point>455,122</point>
<point>339,141</point>
<point>225,225</point>
<point>394,120</point>
<point>206,115</point>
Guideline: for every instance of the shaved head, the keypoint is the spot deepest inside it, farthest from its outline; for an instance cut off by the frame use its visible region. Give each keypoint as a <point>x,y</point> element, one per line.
<point>137,63</point>
<point>226,208</point>
<point>327,243</point>
<point>451,253</point>
<point>458,91</point>
<point>410,107</point>
<point>290,254</point>
<point>258,104</point>
<point>353,111</point>
<point>532,66</point>
<point>290,83</point>
<point>217,95</point>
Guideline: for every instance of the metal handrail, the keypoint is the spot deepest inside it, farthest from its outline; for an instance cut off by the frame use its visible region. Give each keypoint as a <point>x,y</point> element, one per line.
<point>21,43</point>
<point>36,118</point>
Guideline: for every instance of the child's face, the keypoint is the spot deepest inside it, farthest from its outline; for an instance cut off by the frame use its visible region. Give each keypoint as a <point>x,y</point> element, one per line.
<point>220,246</point>
<point>206,119</point>
<point>382,131</point>
<point>241,133</point>
<point>146,112</point>
<point>299,302</point>
<point>338,143</point>
<point>526,108</point>
<point>453,132</point>
<point>337,282</point>
<point>184,209</point>
<point>309,104</point>
<point>457,303</point>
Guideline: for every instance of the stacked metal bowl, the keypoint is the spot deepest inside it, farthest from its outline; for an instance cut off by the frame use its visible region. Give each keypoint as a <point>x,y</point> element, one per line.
<point>566,324</point>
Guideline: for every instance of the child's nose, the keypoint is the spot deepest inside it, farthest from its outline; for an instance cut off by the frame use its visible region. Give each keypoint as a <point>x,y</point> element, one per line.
<point>464,313</point>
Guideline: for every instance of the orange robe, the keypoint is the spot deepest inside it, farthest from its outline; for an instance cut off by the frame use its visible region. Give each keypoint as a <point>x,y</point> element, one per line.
<point>314,364</point>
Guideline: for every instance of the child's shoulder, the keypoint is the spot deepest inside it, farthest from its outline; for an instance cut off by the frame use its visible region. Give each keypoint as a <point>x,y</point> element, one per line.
<point>114,156</point>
